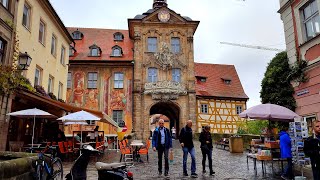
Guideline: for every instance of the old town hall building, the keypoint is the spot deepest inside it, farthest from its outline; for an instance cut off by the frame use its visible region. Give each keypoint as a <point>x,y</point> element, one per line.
<point>150,69</point>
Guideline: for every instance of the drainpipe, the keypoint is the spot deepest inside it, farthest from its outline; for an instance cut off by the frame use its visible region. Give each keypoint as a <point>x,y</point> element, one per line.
<point>132,91</point>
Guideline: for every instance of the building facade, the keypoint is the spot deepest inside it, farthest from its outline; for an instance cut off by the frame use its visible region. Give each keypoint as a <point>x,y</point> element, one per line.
<point>7,42</point>
<point>149,70</point>
<point>100,75</point>
<point>220,98</point>
<point>302,34</point>
<point>45,38</point>
<point>164,81</point>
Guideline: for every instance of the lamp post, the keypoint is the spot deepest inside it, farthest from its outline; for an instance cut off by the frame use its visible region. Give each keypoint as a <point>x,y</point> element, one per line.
<point>24,61</point>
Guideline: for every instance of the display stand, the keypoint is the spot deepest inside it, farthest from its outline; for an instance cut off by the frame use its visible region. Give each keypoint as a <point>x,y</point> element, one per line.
<point>298,131</point>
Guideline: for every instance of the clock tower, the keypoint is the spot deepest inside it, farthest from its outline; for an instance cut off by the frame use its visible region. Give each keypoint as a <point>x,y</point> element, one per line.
<point>164,79</point>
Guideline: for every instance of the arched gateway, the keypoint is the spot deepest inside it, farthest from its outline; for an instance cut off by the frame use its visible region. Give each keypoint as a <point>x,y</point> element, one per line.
<point>169,109</point>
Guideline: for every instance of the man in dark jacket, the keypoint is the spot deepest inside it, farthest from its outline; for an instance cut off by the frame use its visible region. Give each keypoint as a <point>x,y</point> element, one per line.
<point>312,149</point>
<point>188,147</point>
<point>162,142</point>
<point>206,148</point>
<point>285,150</point>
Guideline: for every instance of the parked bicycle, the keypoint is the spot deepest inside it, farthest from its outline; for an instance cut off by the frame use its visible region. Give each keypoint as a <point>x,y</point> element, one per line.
<point>48,167</point>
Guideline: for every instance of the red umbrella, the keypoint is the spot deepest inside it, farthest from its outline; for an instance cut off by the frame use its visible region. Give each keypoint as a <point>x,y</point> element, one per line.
<point>271,112</point>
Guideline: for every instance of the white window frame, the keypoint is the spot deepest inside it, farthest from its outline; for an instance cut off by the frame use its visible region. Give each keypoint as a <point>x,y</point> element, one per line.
<point>239,109</point>
<point>117,116</point>
<point>176,74</point>
<point>37,76</point>
<point>26,16</point>
<point>50,84</point>
<point>118,80</point>
<point>175,45</point>
<point>60,90</point>
<point>152,74</point>
<point>152,44</point>
<point>116,51</point>
<point>53,45</point>
<point>69,80</point>
<point>204,108</point>
<point>92,50</point>
<point>5,3</point>
<point>312,18</point>
<point>42,32</point>
<point>62,55</point>
<point>92,80</point>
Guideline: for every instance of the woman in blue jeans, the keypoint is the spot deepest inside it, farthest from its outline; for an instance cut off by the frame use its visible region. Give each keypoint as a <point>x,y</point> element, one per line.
<point>206,149</point>
<point>188,147</point>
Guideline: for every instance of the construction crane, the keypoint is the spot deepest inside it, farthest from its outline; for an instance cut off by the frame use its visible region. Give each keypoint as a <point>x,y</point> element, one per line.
<point>253,46</point>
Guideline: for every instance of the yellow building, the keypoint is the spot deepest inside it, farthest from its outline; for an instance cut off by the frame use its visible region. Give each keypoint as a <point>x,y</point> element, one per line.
<point>220,97</point>
<point>46,40</point>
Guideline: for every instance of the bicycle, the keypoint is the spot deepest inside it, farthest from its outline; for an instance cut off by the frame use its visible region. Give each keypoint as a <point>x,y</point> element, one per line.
<point>48,167</point>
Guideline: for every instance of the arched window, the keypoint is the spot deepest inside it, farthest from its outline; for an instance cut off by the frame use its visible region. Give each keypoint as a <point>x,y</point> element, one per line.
<point>116,51</point>
<point>118,36</point>
<point>77,35</point>
<point>95,50</point>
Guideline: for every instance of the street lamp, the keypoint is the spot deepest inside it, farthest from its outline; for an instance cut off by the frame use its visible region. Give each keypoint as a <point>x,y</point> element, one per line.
<point>24,60</point>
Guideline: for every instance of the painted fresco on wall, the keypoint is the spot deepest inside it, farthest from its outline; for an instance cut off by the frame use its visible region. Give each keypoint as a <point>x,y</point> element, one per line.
<point>106,93</point>
<point>91,99</point>
<point>128,95</point>
<point>68,96</point>
<point>118,99</point>
<point>78,92</point>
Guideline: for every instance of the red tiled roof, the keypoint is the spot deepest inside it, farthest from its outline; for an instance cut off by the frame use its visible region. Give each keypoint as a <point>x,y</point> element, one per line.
<point>214,85</point>
<point>105,40</point>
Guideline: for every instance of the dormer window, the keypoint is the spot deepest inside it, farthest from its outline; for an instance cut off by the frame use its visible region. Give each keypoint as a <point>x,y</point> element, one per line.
<point>95,50</point>
<point>226,80</point>
<point>118,36</point>
<point>116,51</point>
<point>201,79</point>
<point>77,35</point>
<point>72,50</point>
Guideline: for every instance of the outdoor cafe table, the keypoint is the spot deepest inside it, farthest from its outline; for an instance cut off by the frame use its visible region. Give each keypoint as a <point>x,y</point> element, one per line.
<point>137,144</point>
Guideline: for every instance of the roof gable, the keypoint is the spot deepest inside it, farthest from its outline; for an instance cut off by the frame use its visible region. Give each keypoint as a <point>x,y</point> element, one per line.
<point>153,17</point>
<point>215,85</point>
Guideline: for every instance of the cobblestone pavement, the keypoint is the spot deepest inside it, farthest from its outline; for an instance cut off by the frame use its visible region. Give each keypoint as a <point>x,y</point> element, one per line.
<point>228,166</point>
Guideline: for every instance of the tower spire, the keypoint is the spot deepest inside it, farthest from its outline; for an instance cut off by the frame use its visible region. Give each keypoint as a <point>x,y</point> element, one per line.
<point>159,3</point>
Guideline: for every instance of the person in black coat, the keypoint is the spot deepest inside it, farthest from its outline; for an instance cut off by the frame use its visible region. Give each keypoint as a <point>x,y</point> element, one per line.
<point>206,149</point>
<point>312,149</point>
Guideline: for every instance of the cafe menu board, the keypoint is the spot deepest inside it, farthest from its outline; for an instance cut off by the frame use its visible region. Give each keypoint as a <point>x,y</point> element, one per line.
<point>298,131</point>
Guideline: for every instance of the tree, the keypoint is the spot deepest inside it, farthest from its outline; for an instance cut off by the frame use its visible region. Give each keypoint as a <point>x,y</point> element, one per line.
<point>276,87</point>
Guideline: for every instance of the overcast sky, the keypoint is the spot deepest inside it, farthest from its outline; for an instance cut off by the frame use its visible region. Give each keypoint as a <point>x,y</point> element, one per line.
<point>253,22</point>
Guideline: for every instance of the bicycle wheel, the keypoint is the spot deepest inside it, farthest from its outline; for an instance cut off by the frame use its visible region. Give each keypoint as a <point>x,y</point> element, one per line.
<point>57,169</point>
<point>39,172</point>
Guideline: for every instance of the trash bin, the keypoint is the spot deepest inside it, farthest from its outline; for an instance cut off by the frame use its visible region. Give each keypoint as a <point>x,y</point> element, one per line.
<point>236,144</point>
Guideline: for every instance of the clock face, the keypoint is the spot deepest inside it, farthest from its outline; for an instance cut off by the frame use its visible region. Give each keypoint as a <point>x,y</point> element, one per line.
<point>164,16</point>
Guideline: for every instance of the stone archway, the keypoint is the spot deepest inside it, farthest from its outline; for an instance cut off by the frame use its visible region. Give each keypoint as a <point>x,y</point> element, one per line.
<point>169,109</point>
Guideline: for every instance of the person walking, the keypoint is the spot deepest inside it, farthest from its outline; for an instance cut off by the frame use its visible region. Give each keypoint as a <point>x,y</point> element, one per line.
<point>162,142</point>
<point>173,131</point>
<point>285,150</point>
<point>206,149</point>
<point>312,149</point>
<point>188,147</point>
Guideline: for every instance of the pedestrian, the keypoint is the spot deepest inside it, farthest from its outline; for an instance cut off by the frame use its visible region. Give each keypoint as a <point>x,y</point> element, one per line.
<point>285,150</point>
<point>173,131</point>
<point>206,149</point>
<point>186,143</point>
<point>312,149</point>
<point>162,142</point>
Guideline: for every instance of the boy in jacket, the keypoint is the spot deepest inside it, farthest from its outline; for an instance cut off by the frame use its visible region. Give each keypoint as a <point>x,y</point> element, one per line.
<point>162,142</point>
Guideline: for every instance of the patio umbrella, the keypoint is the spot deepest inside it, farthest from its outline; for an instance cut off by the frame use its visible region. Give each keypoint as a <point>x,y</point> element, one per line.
<point>270,112</point>
<point>32,113</point>
<point>79,117</point>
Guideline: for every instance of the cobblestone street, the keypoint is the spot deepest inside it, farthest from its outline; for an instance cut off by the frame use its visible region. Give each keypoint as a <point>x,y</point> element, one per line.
<point>226,165</point>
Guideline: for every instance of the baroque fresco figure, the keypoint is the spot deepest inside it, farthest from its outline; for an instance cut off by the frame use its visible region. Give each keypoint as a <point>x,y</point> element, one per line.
<point>78,90</point>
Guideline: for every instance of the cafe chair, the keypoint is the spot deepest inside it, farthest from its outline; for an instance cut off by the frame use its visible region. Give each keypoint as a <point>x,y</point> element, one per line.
<point>145,150</point>
<point>126,152</point>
